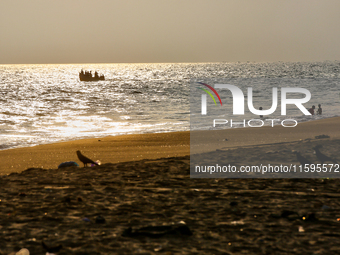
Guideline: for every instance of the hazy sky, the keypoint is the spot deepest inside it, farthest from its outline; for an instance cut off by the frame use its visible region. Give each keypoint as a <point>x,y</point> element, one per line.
<point>121,31</point>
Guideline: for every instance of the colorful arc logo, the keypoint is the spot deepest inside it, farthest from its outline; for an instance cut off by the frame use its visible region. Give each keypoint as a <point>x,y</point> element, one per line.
<point>209,93</point>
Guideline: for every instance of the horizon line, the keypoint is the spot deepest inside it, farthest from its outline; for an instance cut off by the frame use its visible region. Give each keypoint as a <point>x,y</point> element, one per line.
<point>201,62</point>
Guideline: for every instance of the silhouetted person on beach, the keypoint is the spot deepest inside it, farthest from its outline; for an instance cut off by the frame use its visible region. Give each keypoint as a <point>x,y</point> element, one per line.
<point>85,160</point>
<point>319,112</point>
<point>311,110</point>
<point>322,157</point>
<point>303,161</point>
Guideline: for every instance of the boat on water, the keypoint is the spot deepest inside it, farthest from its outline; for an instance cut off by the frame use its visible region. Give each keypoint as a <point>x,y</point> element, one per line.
<point>87,76</point>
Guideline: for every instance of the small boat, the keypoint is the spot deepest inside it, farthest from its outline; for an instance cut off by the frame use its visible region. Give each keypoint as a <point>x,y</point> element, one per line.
<point>87,76</point>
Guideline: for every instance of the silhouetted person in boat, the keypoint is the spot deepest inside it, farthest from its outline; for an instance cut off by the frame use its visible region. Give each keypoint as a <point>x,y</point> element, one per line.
<point>88,74</point>
<point>311,110</point>
<point>85,160</point>
<point>303,161</point>
<point>322,157</point>
<point>96,74</point>
<point>319,112</point>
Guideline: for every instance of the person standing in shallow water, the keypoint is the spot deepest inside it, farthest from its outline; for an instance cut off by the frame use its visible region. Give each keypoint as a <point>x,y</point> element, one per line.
<point>261,116</point>
<point>319,112</point>
<point>311,110</point>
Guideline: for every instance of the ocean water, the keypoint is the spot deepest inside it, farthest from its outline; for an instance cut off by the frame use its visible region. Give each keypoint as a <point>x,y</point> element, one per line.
<point>47,103</point>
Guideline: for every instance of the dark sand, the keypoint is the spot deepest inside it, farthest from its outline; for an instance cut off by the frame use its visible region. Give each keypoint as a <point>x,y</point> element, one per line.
<point>225,216</point>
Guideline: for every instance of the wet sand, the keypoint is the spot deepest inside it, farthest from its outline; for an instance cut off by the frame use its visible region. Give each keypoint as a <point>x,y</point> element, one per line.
<point>140,207</point>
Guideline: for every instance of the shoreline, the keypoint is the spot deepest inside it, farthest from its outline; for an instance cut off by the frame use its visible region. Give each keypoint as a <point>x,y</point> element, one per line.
<point>134,147</point>
<point>6,147</point>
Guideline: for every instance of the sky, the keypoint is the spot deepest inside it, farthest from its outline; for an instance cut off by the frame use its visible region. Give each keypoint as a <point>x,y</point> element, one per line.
<point>163,31</point>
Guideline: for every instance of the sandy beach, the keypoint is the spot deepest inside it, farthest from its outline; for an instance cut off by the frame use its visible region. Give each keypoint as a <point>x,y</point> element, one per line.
<point>168,127</point>
<point>127,148</point>
<point>141,200</point>
<point>113,149</point>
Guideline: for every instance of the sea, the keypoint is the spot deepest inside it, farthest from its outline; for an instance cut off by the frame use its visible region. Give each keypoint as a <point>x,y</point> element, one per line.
<point>43,104</point>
